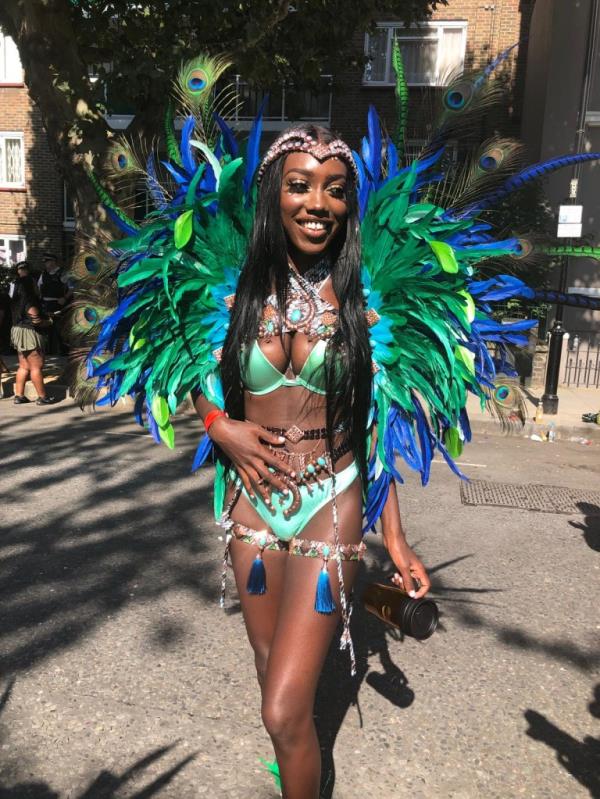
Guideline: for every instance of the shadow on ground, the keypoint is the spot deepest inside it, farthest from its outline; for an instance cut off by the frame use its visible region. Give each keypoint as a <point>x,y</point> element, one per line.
<point>590,526</point>
<point>107,785</point>
<point>126,526</point>
<point>580,758</point>
<point>338,690</point>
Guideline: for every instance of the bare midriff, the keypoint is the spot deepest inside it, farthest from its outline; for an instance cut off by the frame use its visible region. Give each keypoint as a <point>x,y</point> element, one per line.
<point>287,406</point>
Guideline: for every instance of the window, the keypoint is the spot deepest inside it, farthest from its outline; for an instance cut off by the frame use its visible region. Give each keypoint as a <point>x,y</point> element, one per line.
<point>68,209</point>
<point>10,63</point>
<point>12,249</point>
<point>432,52</point>
<point>12,164</point>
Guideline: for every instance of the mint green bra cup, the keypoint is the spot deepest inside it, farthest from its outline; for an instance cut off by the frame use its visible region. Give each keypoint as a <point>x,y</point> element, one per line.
<point>261,377</point>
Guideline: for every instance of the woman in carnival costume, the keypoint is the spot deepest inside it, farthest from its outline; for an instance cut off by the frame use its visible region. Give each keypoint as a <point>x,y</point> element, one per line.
<point>324,310</point>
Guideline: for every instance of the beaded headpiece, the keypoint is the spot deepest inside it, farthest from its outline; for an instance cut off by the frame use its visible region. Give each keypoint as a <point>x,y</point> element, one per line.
<point>299,141</point>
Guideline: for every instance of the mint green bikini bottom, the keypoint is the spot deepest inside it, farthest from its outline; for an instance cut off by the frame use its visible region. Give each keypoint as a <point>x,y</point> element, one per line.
<point>314,497</point>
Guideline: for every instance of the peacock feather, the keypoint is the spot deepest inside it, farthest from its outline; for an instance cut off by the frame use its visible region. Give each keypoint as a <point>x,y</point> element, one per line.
<point>194,88</point>
<point>401,90</point>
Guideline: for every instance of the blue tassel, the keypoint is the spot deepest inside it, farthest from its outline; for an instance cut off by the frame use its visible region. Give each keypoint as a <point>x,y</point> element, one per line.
<point>257,579</point>
<point>324,600</point>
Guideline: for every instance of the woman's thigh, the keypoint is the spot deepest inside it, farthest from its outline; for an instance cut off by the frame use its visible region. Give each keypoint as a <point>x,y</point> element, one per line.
<point>35,359</point>
<point>302,635</point>
<point>23,363</point>
<point>259,610</point>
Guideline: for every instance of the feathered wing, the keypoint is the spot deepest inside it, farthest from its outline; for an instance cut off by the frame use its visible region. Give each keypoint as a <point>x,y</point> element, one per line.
<point>151,310</point>
<point>428,305</point>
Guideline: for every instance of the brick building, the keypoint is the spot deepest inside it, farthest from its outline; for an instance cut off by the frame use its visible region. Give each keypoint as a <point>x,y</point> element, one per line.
<point>466,33</point>
<point>32,218</point>
<point>34,214</point>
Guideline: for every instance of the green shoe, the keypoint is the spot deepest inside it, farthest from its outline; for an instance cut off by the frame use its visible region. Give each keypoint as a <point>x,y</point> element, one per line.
<point>273,768</point>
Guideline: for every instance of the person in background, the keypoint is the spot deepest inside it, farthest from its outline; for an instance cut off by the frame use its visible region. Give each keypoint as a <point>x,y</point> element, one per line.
<point>55,293</point>
<point>29,339</point>
<point>22,269</point>
<point>5,325</point>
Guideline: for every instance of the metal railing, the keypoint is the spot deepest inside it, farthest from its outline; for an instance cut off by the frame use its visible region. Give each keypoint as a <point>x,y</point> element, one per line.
<point>582,360</point>
<point>286,104</point>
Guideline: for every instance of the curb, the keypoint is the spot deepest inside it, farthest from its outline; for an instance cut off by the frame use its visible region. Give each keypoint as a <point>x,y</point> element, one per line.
<point>564,432</point>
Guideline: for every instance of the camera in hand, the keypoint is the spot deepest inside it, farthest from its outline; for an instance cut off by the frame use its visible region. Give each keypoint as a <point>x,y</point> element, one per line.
<point>415,617</point>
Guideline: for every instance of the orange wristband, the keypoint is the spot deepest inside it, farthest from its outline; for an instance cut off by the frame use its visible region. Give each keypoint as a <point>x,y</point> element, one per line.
<point>211,416</point>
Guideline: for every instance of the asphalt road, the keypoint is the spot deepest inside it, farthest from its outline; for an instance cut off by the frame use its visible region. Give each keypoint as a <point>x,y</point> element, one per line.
<point>120,677</point>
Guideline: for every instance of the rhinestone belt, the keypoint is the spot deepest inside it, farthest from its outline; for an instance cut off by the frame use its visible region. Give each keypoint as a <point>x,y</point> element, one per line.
<point>296,434</point>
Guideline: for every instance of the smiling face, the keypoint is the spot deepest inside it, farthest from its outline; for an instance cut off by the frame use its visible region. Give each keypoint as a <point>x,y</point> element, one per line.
<point>314,207</point>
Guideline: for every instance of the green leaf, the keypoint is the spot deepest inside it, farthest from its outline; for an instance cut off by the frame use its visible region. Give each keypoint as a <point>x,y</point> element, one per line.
<point>445,256</point>
<point>453,443</point>
<point>160,411</point>
<point>184,226</point>
<point>168,435</point>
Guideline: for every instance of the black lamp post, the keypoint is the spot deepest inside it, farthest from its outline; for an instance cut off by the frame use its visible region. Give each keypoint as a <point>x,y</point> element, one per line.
<point>550,397</point>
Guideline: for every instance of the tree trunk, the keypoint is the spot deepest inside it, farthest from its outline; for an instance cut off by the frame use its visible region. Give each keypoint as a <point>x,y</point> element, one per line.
<point>58,84</point>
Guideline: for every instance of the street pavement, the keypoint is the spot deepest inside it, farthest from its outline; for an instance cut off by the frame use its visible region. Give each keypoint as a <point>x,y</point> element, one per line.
<point>120,676</point>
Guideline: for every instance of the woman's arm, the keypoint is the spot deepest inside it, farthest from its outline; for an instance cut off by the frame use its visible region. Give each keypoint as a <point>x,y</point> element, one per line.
<point>244,444</point>
<point>402,555</point>
<point>404,558</point>
<point>37,319</point>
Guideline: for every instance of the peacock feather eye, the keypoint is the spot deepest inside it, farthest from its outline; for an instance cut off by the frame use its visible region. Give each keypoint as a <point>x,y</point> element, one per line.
<point>121,160</point>
<point>197,80</point>
<point>492,159</point>
<point>90,314</point>
<point>458,96</point>
<point>502,392</point>
<point>488,163</point>
<point>522,249</point>
<point>91,264</point>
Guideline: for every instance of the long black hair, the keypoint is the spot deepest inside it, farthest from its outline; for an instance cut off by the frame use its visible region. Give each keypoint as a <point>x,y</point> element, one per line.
<point>348,357</point>
<point>25,295</point>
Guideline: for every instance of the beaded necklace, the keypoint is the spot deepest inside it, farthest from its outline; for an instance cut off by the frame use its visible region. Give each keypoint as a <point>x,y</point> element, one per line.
<point>306,311</point>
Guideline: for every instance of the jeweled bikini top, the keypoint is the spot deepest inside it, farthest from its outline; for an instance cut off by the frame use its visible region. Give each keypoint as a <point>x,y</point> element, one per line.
<point>307,313</point>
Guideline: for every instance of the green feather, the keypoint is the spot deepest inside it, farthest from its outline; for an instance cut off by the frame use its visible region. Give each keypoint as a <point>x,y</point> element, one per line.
<point>401,100</point>
<point>445,256</point>
<point>577,252</point>
<point>107,200</point>
<point>184,227</point>
<point>170,140</point>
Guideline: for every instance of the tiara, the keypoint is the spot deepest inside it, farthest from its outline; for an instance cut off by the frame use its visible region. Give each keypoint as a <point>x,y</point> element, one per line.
<point>298,141</point>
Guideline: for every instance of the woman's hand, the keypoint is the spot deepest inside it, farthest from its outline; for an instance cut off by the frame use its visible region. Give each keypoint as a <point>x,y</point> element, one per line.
<point>409,568</point>
<point>244,444</point>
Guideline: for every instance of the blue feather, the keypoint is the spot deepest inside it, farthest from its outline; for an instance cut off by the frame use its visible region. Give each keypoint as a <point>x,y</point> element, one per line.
<point>363,184</point>
<point>253,150</point>
<point>517,181</point>
<point>177,175</point>
<point>229,140</point>
<point>392,159</point>
<point>186,150</point>
<point>138,409</point>
<point>152,426</point>
<point>376,499</point>
<point>120,223</point>
<point>450,461</point>
<point>374,127</point>
<point>496,62</point>
<point>426,440</point>
<point>154,187</point>
<point>203,451</point>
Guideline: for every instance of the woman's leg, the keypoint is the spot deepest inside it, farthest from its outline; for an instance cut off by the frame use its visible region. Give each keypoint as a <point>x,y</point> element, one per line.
<point>22,374</point>
<point>35,361</point>
<point>298,649</point>
<point>260,610</point>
